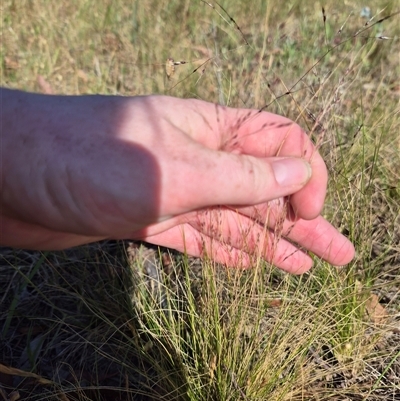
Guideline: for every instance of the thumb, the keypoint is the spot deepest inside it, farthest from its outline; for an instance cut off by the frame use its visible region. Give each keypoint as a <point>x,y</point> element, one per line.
<point>243,180</point>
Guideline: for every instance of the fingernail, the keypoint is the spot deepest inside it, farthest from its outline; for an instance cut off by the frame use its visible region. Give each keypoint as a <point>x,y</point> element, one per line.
<point>291,171</point>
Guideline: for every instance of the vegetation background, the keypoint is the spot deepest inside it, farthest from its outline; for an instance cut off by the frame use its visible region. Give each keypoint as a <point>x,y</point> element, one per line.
<point>123,321</point>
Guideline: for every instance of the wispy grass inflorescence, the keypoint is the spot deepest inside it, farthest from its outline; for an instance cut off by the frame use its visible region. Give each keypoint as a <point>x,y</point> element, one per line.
<point>120,320</point>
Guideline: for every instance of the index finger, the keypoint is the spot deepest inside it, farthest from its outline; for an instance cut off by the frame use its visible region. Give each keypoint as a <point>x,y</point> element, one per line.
<point>264,134</point>
<point>255,133</point>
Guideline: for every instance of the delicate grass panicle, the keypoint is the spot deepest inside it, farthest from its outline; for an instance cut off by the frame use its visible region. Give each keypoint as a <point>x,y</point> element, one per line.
<point>115,321</point>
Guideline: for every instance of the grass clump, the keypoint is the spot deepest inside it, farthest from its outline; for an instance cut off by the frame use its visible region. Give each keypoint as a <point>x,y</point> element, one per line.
<point>123,321</point>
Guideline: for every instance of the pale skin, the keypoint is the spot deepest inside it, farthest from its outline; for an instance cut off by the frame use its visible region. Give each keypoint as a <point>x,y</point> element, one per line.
<point>78,169</point>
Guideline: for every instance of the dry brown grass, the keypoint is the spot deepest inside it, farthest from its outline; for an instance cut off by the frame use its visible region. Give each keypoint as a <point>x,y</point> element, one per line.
<point>109,321</point>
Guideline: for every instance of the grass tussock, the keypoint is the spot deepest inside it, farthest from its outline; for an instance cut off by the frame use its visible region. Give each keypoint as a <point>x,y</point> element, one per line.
<point>115,321</point>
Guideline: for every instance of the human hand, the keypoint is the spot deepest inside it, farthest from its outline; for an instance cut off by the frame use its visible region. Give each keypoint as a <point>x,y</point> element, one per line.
<point>81,169</point>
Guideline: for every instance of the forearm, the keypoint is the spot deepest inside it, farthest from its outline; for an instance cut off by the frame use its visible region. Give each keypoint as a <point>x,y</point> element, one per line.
<point>39,142</point>
<point>67,167</point>
<point>46,142</point>
<point>25,122</point>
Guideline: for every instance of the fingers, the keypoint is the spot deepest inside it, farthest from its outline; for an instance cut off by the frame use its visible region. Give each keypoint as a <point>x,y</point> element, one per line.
<point>240,232</point>
<point>201,245</point>
<point>268,239</point>
<point>262,135</point>
<point>186,239</point>
<point>317,236</point>
<point>234,239</point>
<point>187,161</point>
<point>230,179</point>
<point>267,135</point>
<point>321,238</point>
